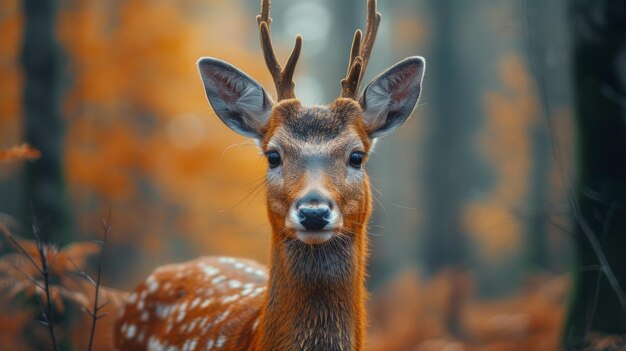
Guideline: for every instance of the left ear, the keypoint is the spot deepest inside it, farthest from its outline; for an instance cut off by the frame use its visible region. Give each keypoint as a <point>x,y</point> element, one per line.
<point>391,97</point>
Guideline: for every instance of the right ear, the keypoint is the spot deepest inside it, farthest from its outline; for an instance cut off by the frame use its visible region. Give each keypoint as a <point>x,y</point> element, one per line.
<point>237,99</point>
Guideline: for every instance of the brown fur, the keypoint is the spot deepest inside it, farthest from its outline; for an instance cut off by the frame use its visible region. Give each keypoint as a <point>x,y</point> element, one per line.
<point>305,303</point>
<point>315,297</point>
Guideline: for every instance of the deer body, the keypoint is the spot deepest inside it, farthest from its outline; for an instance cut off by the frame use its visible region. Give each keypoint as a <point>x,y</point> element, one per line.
<point>318,202</point>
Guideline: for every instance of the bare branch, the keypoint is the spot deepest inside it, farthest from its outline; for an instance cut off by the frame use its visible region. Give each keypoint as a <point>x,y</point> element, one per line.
<point>106,228</point>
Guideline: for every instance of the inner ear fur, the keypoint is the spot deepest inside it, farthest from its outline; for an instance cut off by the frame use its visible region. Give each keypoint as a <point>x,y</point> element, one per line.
<point>237,99</point>
<point>387,102</point>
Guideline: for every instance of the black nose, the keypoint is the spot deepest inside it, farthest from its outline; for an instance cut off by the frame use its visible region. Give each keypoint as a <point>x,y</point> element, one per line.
<point>313,211</point>
<point>314,218</point>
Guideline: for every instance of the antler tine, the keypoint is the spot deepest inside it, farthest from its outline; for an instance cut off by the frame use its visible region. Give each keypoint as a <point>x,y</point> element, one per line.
<point>355,50</point>
<point>356,68</point>
<point>265,13</point>
<point>373,20</point>
<point>283,76</point>
<point>268,51</point>
<point>348,84</point>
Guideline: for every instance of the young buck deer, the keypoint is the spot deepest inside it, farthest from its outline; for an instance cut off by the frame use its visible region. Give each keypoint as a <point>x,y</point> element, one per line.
<point>318,203</point>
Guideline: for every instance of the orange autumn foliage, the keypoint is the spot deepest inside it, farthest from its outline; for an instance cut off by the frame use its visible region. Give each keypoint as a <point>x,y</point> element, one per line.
<point>20,152</point>
<point>141,130</point>
<point>11,23</point>
<point>407,315</point>
<point>510,113</point>
<point>141,140</point>
<point>21,280</point>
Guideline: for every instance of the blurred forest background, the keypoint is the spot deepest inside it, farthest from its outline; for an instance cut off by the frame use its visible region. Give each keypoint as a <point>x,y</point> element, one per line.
<point>500,205</point>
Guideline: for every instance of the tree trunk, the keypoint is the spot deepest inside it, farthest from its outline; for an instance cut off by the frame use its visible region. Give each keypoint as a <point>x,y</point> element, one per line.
<point>448,144</point>
<point>449,162</point>
<point>45,193</point>
<point>599,38</point>
<point>540,39</point>
<point>45,190</point>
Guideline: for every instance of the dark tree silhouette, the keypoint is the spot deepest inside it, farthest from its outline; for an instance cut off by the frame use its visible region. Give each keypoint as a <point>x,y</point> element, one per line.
<point>599,44</point>
<point>44,181</point>
<point>45,195</point>
<point>538,25</point>
<point>449,143</point>
<point>449,167</point>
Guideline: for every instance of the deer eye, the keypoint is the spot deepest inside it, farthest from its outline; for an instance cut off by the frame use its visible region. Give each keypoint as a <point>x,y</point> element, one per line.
<point>356,159</point>
<point>273,158</point>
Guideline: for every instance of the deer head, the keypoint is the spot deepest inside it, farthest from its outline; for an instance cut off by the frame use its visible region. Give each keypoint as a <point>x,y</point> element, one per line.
<point>317,184</point>
<point>317,191</point>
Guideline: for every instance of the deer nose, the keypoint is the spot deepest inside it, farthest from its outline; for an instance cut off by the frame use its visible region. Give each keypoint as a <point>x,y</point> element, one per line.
<point>314,211</point>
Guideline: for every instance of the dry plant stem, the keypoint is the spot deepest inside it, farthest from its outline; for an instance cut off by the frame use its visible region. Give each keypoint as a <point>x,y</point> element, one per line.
<point>96,307</point>
<point>106,228</point>
<point>45,274</point>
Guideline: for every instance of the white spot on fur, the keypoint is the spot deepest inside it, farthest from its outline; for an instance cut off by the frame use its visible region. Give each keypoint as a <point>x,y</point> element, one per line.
<point>153,286</point>
<point>189,345</point>
<point>235,284</point>
<point>257,291</point>
<point>163,311</point>
<point>220,341</point>
<point>181,316</point>
<point>221,317</point>
<point>210,271</point>
<point>259,273</point>
<point>203,322</point>
<point>194,303</point>
<point>155,345</point>
<point>192,325</point>
<point>130,333</point>
<point>218,280</point>
<point>229,299</point>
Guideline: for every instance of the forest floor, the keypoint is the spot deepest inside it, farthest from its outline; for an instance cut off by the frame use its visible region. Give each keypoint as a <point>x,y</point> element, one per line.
<point>440,314</point>
<point>408,314</point>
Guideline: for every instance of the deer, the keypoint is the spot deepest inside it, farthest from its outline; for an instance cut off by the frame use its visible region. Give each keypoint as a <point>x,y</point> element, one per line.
<point>318,197</point>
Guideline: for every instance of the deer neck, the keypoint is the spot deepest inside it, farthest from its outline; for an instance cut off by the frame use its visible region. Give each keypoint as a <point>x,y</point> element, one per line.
<point>316,294</point>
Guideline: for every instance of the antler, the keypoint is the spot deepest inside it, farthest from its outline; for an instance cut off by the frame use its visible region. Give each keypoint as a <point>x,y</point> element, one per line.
<point>283,76</point>
<point>360,53</point>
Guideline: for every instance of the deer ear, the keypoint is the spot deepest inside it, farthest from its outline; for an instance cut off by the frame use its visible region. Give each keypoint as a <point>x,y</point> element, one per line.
<point>238,100</point>
<point>391,97</point>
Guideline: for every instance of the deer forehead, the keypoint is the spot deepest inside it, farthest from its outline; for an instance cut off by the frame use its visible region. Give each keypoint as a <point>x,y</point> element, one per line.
<point>316,130</point>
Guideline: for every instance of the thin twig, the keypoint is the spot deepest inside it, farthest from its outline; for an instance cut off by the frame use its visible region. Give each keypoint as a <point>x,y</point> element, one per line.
<point>43,269</point>
<point>45,273</point>
<point>8,234</point>
<point>106,228</point>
